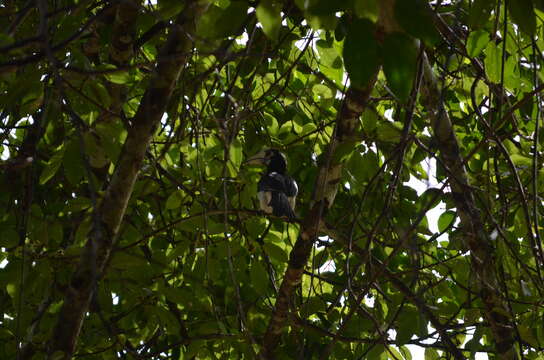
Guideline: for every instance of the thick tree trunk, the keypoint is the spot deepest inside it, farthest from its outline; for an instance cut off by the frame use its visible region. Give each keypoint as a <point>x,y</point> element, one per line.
<point>110,213</point>
<point>482,252</point>
<point>326,187</point>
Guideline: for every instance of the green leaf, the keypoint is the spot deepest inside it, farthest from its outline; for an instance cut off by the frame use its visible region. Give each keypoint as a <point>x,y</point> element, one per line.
<point>269,15</point>
<point>98,93</point>
<point>415,17</point>
<point>275,252</point>
<point>476,42</point>
<point>521,161</point>
<point>312,306</point>
<point>235,153</point>
<point>322,91</point>
<point>166,318</point>
<point>513,79</point>
<point>9,238</point>
<point>308,128</point>
<point>255,226</point>
<point>363,166</point>
<point>480,12</point>
<point>394,352</point>
<point>327,22</point>
<point>94,150</point>
<point>271,123</point>
<point>233,18</point>
<point>493,56</point>
<point>112,135</point>
<point>406,353</point>
<point>388,131</point>
<point>327,7</point>
<point>406,321</point>
<point>370,120</point>
<point>328,55</point>
<point>78,204</point>
<point>528,335</point>
<point>52,166</point>
<point>128,261</point>
<point>361,52</point>
<point>430,198</point>
<point>523,14</point>
<point>367,9</point>
<point>174,200</point>
<point>175,295</point>
<point>72,163</point>
<point>445,220</point>
<point>169,8</point>
<point>219,23</point>
<point>399,63</point>
<point>431,354</point>
<point>118,77</point>
<point>377,352</point>
<point>259,278</point>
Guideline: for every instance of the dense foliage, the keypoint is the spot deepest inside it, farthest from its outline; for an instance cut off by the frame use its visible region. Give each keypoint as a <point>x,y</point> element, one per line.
<point>128,219</point>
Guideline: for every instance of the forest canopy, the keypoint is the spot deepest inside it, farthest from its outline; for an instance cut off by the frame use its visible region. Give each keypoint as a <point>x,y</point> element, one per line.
<point>129,221</point>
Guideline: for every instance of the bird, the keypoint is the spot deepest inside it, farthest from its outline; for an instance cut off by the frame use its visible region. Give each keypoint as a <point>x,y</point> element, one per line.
<point>276,190</point>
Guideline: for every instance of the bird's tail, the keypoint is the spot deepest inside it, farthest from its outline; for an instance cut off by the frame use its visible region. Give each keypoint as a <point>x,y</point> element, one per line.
<point>281,206</point>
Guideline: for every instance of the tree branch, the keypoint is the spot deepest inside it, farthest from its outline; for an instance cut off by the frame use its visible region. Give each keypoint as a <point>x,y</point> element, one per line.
<point>481,249</point>
<point>326,187</point>
<point>100,241</point>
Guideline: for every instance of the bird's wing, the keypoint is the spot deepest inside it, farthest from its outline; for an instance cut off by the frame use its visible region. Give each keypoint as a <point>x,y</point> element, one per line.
<point>291,187</point>
<point>281,205</point>
<point>282,190</point>
<point>272,182</point>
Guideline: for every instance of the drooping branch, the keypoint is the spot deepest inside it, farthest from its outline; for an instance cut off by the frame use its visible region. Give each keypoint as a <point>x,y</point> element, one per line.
<point>111,211</point>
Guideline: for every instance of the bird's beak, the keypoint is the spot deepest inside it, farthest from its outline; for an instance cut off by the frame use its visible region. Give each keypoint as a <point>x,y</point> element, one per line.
<point>257,159</point>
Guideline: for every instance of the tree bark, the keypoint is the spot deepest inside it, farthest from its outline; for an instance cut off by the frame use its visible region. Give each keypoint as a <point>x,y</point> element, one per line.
<point>102,237</point>
<point>326,187</point>
<point>482,251</point>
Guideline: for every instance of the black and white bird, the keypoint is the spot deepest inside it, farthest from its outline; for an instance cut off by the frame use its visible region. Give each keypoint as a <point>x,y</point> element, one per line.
<point>277,191</point>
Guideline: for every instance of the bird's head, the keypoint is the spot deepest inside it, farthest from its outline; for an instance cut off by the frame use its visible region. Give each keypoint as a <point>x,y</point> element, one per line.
<point>272,158</point>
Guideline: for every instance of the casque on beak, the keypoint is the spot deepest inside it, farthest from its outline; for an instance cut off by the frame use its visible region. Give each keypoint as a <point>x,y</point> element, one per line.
<point>258,159</point>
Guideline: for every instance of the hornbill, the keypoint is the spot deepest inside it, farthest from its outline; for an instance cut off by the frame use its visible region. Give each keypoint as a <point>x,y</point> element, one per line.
<point>277,191</point>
